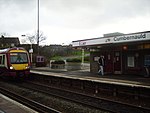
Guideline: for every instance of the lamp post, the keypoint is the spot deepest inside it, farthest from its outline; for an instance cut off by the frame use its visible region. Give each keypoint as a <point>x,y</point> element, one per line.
<point>82,56</point>
<point>38,25</point>
<point>30,51</point>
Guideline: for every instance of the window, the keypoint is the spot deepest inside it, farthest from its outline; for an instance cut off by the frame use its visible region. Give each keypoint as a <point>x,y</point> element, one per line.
<point>42,59</point>
<point>38,60</point>
<point>3,62</point>
<point>147,60</point>
<point>0,59</point>
<point>130,61</point>
<point>16,58</point>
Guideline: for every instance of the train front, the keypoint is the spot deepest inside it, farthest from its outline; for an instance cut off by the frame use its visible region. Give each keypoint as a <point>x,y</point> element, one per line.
<point>19,63</point>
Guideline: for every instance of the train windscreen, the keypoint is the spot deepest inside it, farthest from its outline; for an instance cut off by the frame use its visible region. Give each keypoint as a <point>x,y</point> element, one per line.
<point>18,58</point>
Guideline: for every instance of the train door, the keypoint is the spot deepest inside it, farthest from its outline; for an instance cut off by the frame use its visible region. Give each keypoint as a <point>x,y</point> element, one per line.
<point>117,62</point>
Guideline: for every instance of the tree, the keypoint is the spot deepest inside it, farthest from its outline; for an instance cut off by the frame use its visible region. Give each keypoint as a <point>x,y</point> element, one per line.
<point>32,38</point>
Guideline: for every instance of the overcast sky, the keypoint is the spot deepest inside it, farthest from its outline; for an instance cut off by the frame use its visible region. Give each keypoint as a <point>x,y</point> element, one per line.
<point>64,21</point>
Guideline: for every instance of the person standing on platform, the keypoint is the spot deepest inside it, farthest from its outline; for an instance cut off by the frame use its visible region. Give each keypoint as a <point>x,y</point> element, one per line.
<point>101,65</point>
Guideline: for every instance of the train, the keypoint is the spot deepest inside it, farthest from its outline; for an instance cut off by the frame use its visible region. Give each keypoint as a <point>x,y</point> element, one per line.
<point>14,62</point>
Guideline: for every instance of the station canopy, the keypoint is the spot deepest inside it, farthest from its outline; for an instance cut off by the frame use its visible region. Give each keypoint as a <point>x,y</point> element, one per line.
<point>113,38</point>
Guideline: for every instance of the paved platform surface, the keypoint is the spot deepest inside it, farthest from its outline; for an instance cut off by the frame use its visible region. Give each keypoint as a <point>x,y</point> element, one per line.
<point>8,105</point>
<point>126,79</point>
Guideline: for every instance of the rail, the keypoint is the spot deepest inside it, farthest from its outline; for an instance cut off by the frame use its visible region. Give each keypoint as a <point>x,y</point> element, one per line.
<point>30,103</point>
<point>131,94</point>
<point>88,100</point>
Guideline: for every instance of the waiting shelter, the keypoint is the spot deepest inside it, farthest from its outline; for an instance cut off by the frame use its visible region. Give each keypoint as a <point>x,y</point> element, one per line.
<point>123,53</point>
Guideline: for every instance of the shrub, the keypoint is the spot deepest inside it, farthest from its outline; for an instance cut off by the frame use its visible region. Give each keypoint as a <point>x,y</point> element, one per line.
<point>58,62</point>
<point>56,58</point>
<point>73,60</point>
<point>87,58</point>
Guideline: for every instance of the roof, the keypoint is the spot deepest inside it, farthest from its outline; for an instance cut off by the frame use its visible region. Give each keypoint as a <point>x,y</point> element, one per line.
<point>8,49</point>
<point>9,40</point>
<point>124,38</point>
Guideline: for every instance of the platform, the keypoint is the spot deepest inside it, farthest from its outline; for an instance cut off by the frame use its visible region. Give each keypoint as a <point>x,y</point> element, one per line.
<point>118,79</point>
<point>8,105</point>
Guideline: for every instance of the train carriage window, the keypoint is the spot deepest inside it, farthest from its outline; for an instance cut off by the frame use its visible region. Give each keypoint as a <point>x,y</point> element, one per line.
<point>0,59</point>
<point>3,62</point>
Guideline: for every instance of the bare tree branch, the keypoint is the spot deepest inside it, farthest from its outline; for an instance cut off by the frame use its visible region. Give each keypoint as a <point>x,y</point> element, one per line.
<point>24,41</point>
<point>4,34</point>
<point>32,38</point>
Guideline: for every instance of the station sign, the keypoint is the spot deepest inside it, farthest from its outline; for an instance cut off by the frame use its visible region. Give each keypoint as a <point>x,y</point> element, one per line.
<point>132,37</point>
<point>95,41</point>
<point>31,51</point>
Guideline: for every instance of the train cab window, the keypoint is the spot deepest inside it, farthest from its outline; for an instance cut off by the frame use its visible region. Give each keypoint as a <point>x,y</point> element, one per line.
<point>16,58</point>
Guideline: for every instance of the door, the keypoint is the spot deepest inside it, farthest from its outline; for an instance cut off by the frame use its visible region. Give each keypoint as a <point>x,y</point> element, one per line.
<point>108,67</point>
<point>117,62</point>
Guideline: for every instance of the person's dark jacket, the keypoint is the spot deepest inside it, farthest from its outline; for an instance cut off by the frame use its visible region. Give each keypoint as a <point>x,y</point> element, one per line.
<point>101,61</point>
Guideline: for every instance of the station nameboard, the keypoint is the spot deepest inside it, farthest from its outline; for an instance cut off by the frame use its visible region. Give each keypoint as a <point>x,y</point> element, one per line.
<point>132,38</point>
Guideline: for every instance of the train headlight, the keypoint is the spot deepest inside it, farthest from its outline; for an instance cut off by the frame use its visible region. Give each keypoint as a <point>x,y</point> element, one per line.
<point>27,67</point>
<point>11,67</point>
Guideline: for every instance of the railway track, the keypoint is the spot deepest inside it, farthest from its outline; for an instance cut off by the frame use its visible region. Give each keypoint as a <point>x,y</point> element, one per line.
<point>60,104</point>
<point>88,100</point>
<point>28,102</point>
<point>94,101</point>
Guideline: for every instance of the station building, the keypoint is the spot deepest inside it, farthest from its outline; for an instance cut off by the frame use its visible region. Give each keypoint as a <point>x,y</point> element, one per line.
<point>123,53</point>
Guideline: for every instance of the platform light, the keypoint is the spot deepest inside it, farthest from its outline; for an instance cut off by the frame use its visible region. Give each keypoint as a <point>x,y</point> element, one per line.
<point>125,47</point>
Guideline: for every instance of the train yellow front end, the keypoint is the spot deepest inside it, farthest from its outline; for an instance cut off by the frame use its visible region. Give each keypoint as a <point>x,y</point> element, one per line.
<point>16,62</point>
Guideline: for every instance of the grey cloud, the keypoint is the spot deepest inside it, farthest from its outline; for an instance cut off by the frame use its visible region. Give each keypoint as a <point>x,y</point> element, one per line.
<point>16,15</point>
<point>92,13</point>
<point>81,14</point>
